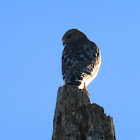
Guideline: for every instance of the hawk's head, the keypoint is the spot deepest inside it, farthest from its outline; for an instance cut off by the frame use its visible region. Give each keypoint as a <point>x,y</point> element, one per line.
<point>72,35</point>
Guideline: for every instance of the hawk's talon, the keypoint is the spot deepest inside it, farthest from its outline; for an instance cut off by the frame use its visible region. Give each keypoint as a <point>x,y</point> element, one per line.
<point>85,89</point>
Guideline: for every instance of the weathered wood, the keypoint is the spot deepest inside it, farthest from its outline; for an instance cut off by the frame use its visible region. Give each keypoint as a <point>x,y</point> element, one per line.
<point>77,119</point>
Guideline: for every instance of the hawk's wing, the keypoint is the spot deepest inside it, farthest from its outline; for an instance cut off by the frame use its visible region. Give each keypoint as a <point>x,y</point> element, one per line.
<point>78,60</point>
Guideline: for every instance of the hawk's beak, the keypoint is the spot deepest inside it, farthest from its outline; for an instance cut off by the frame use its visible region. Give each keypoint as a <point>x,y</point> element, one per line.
<point>64,42</point>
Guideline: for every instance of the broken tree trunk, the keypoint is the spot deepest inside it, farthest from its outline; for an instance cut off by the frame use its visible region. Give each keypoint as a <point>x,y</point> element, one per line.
<point>77,119</point>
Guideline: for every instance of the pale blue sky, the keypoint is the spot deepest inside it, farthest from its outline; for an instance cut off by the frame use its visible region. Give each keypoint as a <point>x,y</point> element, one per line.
<point>30,63</point>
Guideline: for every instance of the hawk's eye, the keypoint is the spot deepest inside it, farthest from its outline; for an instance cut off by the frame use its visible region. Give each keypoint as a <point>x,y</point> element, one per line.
<point>69,36</point>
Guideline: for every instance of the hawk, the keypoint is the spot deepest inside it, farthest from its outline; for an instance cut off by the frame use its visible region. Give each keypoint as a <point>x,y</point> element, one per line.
<point>81,59</point>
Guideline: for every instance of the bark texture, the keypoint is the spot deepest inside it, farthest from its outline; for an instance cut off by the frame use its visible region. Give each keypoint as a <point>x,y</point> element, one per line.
<point>77,119</point>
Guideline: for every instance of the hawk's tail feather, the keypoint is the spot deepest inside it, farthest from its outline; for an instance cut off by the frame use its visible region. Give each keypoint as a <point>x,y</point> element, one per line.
<point>76,83</point>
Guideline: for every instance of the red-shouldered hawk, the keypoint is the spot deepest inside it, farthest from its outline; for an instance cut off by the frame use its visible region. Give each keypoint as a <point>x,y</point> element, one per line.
<point>81,59</point>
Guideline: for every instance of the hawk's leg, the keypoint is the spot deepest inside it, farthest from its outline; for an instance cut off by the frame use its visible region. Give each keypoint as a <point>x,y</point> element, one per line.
<point>85,89</point>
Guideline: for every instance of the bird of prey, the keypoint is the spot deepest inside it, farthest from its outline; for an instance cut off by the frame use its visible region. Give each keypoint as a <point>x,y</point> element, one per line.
<point>81,59</point>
